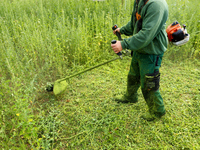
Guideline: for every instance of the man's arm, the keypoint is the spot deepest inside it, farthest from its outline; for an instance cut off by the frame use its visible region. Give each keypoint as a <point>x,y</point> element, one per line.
<point>127,29</point>
<point>151,26</point>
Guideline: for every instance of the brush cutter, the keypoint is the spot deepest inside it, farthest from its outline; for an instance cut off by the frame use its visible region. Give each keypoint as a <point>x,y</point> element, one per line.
<point>60,85</point>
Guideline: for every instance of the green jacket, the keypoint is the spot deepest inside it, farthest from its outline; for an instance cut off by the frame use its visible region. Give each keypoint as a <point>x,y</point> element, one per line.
<point>152,38</point>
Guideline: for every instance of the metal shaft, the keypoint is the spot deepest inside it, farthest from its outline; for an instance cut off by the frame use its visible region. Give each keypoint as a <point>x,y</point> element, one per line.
<point>88,69</point>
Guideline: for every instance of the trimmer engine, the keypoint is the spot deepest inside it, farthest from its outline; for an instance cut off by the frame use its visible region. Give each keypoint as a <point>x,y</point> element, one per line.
<point>176,34</point>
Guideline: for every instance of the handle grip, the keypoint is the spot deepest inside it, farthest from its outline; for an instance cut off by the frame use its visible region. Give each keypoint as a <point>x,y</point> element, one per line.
<point>113,42</point>
<point>117,33</point>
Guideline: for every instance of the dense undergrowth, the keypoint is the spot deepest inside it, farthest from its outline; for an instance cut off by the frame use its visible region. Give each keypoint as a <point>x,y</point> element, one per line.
<point>41,41</point>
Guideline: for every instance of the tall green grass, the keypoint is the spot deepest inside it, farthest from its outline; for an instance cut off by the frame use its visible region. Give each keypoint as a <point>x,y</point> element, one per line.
<point>43,40</point>
<point>55,35</point>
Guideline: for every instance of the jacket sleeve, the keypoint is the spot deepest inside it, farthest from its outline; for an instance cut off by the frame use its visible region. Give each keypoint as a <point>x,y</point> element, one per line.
<point>152,24</point>
<point>127,29</point>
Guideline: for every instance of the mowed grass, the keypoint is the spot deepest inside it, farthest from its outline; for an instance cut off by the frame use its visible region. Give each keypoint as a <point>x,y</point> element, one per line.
<point>88,117</point>
<point>41,41</point>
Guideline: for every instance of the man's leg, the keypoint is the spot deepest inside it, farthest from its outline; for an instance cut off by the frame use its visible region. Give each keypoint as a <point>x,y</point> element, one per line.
<point>133,81</point>
<point>150,76</point>
<point>155,102</point>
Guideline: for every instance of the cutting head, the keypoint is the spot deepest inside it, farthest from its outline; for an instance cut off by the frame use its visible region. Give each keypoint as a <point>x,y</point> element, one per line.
<point>59,86</point>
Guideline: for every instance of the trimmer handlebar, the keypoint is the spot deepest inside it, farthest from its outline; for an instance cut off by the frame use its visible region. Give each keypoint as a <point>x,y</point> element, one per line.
<point>117,33</point>
<point>119,38</point>
<point>113,42</point>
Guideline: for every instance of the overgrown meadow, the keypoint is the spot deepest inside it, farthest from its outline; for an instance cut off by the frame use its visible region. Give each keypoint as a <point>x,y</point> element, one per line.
<point>44,40</point>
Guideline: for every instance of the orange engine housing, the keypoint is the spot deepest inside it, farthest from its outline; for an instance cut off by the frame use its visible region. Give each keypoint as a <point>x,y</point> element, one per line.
<point>171,29</point>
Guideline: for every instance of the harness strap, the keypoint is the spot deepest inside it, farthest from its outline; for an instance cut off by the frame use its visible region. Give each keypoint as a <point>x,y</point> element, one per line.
<point>137,15</point>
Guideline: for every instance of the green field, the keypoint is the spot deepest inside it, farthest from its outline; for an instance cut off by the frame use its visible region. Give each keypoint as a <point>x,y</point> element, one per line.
<point>44,40</point>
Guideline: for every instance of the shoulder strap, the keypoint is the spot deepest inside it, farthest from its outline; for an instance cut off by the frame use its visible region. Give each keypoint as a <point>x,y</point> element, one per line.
<point>137,15</point>
<point>145,2</point>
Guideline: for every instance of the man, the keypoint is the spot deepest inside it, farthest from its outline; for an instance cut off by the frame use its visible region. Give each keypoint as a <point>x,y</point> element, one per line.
<point>148,42</point>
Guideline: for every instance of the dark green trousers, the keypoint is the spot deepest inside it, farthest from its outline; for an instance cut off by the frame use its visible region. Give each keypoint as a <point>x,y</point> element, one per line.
<point>141,65</point>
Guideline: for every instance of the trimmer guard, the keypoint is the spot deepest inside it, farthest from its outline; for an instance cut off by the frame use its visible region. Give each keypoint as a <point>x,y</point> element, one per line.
<point>59,86</point>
